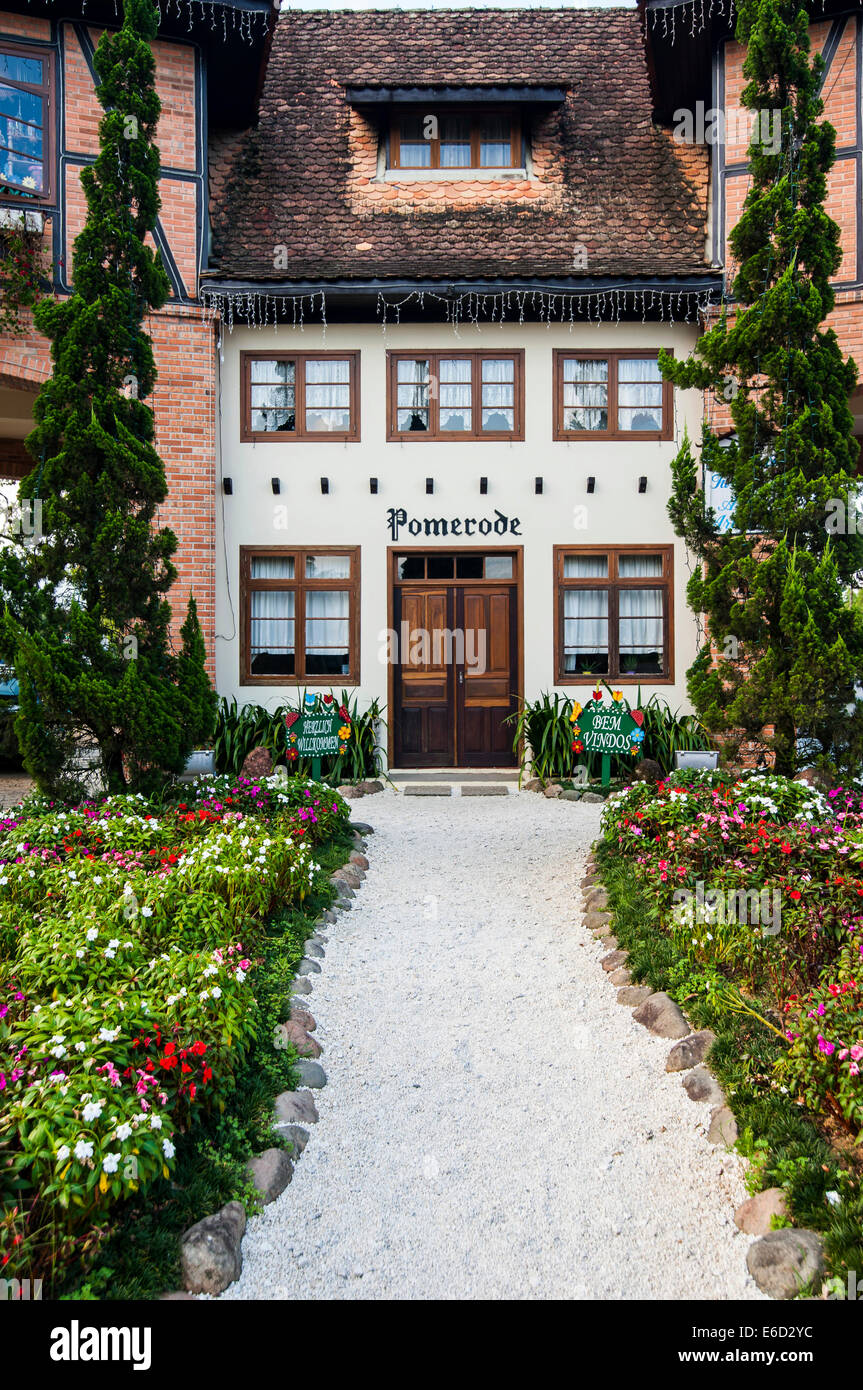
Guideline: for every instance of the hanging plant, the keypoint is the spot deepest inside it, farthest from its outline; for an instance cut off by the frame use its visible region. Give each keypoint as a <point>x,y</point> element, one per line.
<point>22,273</point>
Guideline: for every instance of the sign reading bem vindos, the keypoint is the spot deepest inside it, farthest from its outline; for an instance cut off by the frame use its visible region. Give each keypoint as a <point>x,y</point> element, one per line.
<point>608,730</point>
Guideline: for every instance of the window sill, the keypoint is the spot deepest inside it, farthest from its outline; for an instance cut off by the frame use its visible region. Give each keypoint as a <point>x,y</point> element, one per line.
<point>454,176</point>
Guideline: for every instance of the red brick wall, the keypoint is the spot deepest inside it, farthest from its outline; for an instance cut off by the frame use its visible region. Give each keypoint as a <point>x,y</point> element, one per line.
<point>182,334</point>
<point>840,102</point>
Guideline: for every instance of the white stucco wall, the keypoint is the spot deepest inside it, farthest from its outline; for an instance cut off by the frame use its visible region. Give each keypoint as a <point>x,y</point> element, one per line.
<point>350,515</point>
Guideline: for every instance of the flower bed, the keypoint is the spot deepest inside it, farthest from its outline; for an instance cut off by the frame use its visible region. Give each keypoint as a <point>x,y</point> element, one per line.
<point>130,934</point>
<point>744,898</point>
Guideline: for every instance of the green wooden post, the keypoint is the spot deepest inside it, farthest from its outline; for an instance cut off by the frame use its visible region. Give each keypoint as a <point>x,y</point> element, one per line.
<point>316,769</point>
<point>606,770</point>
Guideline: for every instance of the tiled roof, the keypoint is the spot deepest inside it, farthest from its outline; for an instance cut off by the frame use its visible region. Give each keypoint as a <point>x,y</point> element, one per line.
<point>300,199</point>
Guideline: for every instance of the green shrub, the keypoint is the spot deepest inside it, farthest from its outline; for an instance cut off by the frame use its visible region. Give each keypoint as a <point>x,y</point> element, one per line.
<point>240,729</point>
<point>543,738</point>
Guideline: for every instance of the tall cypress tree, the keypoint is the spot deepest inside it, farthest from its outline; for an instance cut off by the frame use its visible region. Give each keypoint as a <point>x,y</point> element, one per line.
<point>786,644</point>
<point>87,618</point>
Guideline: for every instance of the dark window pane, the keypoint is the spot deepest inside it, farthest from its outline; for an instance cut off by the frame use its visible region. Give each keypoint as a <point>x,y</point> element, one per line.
<point>440,566</point>
<point>468,567</point>
<point>412,567</point>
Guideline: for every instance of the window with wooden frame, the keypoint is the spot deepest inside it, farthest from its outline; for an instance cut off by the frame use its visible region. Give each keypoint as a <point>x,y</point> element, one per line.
<point>26,143</point>
<point>611,395</point>
<point>300,395</point>
<point>300,615</point>
<point>461,139</point>
<point>613,614</point>
<point>456,395</point>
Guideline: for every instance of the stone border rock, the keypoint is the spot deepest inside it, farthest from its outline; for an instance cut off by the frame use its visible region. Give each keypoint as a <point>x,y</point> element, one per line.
<point>211,1251</point>
<point>783,1261</point>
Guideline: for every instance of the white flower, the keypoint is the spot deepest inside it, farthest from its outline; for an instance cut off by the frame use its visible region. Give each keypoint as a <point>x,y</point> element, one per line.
<point>211,970</point>
<point>114,942</point>
<point>124,1131</point>
<point>111,1162</point>
<point>155,1122</point>
<point>83,1150</point>
<point>109,955</point>
<point>58,1037</point>
<point>98,879</point>
<point>92,934</point>
<point>58,1051</point>
<point>79,953</point>
<point>216,992</point>
<point>63,1153</point>
<point>240,975</point>
<point>109,1034</point>
<point>205,994</point>
<point>93,1110</point>
<point>168,1148</point>
<point>833,1198</point>
<point>81,1047</point>
<point>146,912</point>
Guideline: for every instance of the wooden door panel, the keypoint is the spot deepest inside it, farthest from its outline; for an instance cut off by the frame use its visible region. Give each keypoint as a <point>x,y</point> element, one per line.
<point>423,682</point>
<point>486,693</point>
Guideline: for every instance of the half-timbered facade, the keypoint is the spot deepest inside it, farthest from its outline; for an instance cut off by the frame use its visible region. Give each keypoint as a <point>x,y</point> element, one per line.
<point>208,60</point>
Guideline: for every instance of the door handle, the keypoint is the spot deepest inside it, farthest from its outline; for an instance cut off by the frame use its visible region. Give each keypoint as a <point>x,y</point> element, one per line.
<point>461,676</point>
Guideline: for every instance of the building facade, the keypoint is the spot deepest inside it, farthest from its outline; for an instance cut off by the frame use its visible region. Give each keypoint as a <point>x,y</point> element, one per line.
<point>445,440</point>
<point>416,437</point>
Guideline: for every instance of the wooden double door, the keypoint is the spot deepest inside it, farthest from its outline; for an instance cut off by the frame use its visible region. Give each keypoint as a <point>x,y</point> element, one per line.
<point>456,670</point>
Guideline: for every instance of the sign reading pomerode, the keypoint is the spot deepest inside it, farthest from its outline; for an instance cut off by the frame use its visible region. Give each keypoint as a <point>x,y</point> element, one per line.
<point>607,730</point>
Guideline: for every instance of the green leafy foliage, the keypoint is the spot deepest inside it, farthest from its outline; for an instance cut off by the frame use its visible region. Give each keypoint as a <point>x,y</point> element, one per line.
<point>543,738</point>
<point>87,619</point>
<point>131,936</point>
<point>239,729</point>
<point>785,647</point>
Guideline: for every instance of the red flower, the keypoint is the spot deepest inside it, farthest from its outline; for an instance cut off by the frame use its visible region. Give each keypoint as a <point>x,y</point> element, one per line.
<point>795,894</point>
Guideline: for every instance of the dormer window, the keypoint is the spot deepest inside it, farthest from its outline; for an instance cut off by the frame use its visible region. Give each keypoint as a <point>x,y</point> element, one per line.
<point>446,139</point>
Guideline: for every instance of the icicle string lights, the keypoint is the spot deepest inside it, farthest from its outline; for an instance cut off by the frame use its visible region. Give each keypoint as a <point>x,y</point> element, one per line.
<point>217,14</point>
<point>262,310</point>
<point>693,16</point>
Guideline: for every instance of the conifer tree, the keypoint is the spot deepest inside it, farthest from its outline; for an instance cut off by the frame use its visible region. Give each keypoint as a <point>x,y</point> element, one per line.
<point>787,645</point>
<point>87,620</point>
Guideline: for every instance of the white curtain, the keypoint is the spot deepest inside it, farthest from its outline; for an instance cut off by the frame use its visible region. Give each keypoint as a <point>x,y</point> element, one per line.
<point>585,566</point>
<point>455,393</point>
<point>412,393</point>
<point>641,623</point>
<point>585,625</point>
<point>639,566</point>
<point>639,394</point>
<point>273,567</point>
<point>327,626</point>
<point>272,622</point>
<point>328,394</point>
<point>498,393</point>
<point>454,142</point>
<point>272,394</point>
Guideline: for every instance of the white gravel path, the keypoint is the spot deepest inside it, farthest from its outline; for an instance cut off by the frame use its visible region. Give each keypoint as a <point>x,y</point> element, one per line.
<point>495,1124</point>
